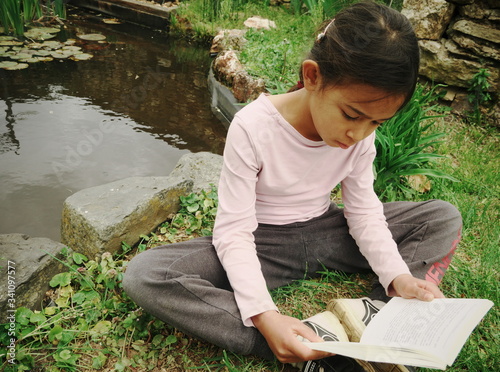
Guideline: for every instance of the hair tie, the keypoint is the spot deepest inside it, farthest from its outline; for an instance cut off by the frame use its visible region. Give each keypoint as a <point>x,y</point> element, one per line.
<point>300,84</point>
<point>322,35</point>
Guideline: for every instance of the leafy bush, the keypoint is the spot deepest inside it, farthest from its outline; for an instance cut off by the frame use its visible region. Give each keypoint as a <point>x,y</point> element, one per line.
<point>406,147</point>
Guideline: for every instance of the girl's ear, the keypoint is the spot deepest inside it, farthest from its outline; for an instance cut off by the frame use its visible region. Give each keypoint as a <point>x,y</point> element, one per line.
<point>311,75</point>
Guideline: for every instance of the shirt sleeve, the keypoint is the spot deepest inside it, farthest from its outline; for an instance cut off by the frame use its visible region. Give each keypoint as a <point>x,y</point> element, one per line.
<point>236,221</point>
<point>366,220</point>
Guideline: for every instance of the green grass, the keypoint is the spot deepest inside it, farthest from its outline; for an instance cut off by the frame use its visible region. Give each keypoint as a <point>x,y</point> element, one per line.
<point>474,160</point>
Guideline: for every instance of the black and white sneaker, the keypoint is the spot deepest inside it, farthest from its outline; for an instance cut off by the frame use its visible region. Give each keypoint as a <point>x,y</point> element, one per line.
<point>336,363</point>
<point>328,327</point>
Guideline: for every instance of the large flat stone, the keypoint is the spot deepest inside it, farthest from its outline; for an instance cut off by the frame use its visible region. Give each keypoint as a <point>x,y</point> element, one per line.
<point>202,168</point>
<point>429,18</point>
<point>31,266</point>
<point>99,219</point>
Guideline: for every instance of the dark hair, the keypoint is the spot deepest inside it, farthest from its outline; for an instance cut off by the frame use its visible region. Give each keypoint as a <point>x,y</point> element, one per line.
<point>368,43</point>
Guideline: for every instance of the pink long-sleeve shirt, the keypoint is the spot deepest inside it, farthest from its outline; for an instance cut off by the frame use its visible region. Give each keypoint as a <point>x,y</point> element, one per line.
<point>272,174</point>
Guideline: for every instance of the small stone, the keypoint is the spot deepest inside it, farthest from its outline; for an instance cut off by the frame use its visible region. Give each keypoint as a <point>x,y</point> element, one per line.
<point>259,23</point>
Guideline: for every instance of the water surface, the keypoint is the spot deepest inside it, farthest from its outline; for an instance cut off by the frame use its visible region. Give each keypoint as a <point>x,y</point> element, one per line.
<point>133,110</point>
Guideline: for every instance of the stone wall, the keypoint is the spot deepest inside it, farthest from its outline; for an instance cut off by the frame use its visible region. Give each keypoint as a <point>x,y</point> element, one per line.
<point>457,38</point>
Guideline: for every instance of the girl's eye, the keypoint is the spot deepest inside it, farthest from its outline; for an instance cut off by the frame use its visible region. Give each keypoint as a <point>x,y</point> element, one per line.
<point>349,117</point>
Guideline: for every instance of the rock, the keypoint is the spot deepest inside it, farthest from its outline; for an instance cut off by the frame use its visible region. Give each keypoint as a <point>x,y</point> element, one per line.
<point>225,66</point>
<point>471,41</point>
<point>202,169</point>
<point>479,10</point>
<point>222,102</point>
<point>228,40</point>
<point>440,66</point>
<point>99,219</point>
<point>474,48</point>
<point>31,267</point>
<point>429,18</point>
<point>259,23</point>
<point>476,30</point>
<point>246,88</point>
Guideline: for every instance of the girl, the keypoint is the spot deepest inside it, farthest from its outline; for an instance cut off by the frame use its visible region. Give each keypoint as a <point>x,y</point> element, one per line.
<point>275,223</point>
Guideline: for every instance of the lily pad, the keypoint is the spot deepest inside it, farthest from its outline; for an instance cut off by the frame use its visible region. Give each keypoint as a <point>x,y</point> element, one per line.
<point>5,37</point>
<point>30,60</point>
<point>17,66</point>
<point>72,48</point>
<point>40,33</point>
<point>82,57</point>
<point>5,64</point>
<point>10,42</point>
<point>52,44</point>
<point>58,55</point>
<point>27,51</point>
<point>35,45</point>
<point>92,37</point>
<point>43,53</point>
<point>49,30</point>
<point>20,56</point>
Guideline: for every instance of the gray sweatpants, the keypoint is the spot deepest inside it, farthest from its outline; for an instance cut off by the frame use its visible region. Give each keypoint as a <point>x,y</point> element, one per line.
<point>185,285</point>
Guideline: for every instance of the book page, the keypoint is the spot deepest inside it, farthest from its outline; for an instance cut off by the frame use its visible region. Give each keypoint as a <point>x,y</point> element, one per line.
<point>377,353</point>
<point>440,327</point>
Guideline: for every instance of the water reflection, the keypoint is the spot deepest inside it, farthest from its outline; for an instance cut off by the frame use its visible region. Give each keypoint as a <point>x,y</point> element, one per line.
<point>133,110</point>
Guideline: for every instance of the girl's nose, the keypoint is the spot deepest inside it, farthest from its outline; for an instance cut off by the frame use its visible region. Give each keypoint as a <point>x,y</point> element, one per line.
<point>361,131</point>
<point>355,134</point>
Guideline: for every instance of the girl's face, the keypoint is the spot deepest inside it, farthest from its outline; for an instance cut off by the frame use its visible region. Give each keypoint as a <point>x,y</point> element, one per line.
<point>344,115</point>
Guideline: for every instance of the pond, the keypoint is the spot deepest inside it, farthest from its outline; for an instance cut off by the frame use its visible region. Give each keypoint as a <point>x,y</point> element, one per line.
<point>132,110</point>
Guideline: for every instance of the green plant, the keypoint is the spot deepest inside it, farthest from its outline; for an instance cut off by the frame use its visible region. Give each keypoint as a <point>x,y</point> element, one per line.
<point>478,94</point>
<point>326,8</point>
<point>213,10</point>
<point>16,14</point>
<point>90,320</point>
<point>406,147</point>
<point>11,16</point>
<point>196,217</point>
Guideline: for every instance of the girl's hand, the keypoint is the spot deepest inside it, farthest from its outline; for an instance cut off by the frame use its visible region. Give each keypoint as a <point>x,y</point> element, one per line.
<point>281,331</point>
<point>408,286</point>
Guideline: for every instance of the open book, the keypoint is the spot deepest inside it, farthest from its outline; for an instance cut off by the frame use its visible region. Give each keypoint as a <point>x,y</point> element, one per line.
<point>413,332</point>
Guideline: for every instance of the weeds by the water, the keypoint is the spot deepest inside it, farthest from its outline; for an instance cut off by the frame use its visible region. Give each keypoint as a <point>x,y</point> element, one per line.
<point>16,14</point>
